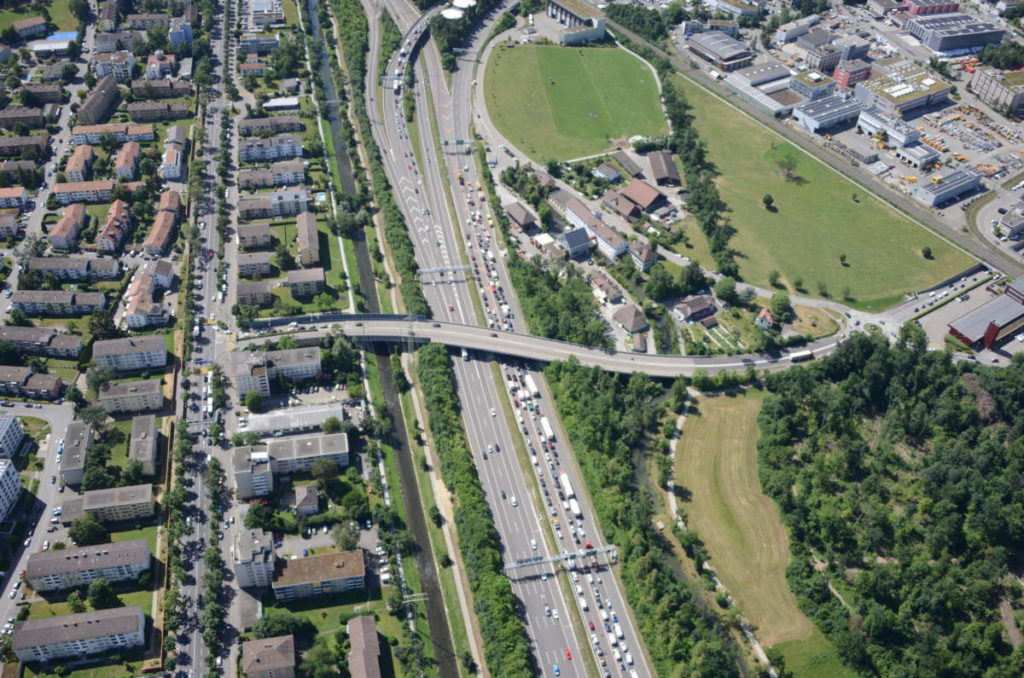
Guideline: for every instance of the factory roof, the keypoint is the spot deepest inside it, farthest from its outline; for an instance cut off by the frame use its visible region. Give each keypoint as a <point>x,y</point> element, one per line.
<point>720,45</point>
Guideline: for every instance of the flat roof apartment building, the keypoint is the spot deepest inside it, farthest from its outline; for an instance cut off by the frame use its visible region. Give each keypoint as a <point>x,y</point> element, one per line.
<point>306,282</point>
<point>74,635</point>
<point>100,102</point>
<point>255,467</point>
<point>10,487</point>
<point>255,371</point>
<point>253,558</point>
<point>11,435</point>
<point>143,446</point>
<point>77,438</point>
<point>131,353</point>
<point>321,575</point>
<point>309,239</point>
<point>132,396</point>
<point>74,567</point>
<point>113,505</point>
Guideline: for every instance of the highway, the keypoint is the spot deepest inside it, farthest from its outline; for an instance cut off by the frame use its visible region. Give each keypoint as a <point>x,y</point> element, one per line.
<point>420,181</point>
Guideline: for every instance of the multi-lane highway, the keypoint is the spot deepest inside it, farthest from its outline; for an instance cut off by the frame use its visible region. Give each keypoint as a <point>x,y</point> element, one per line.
<point>421,178</point>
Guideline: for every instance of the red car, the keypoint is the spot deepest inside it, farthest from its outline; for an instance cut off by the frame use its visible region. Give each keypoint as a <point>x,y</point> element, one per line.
<point>450,307</point>
<point>568,655</point>
<point>591,625</point>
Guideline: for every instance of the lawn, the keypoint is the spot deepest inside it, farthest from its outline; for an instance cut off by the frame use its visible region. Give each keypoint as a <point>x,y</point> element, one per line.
<point>60,15</point>
<point>42,608</point>
<point>817,216</point>
<point>717,462</point>
<point>119,452</point>
<point>35,428</point>
<point>147,533</point>
<point>564,103</point>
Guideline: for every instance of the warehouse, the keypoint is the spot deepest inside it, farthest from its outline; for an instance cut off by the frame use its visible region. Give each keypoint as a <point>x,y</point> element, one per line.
<point>950,187</point>
<point>727,54</point>
<point>995,320</point>
<point>1003,90</point>
<point>952,34</point>
<point>826,113</point>
<point>907,87</point>
<point>873,122</point>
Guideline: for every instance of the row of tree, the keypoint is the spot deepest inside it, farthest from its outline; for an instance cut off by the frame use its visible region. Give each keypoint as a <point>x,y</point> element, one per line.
<point>898,473</point>
<point>505,648</point>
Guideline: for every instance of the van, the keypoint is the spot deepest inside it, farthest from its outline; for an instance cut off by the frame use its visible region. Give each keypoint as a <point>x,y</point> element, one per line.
<point>612,640</point>
<point>617,655</point>
<point>579,590</point>
<point>629,659</point>
<point>618,630</point>
<point>604,615</point>
<point>583,604</point>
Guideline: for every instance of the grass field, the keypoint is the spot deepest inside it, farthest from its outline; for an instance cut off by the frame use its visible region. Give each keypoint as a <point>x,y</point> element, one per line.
<point>717,462</point>
<point>564,103</point>
<point>816,217</point>
<point>60,15</point>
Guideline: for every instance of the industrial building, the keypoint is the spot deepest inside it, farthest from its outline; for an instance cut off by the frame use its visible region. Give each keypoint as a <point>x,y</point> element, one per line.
<point>952,34</point>
<point>1002,90</point>
<point>987,325</point>
<point>827,112</point>
<point>725,53</point>
<point>899,133</point>
<point>906,88</point>
<point>955,185</point>
<point>813,85</point>
<point>765,84</point>
<point>926,7</point>
<point>849,73</point>
<point>583,23</point>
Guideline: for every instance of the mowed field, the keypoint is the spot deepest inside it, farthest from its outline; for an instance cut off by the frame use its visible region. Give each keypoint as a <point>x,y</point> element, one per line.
<point>60,15</point>
<point>568,102</point>
<point>717,462</point>
<point>816,218</point>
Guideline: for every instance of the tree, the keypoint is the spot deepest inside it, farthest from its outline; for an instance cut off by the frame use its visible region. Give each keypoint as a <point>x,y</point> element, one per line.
<point>98,377</point>
<point>842,260</point>
<point>781,307</point>
<point>94,414</point>
<point>345,535</point>
<point>325,470</point>
<point>278,622</point>
<point>331,425</point>
<point>10,354</point>
<point>725,289</point>
<point>660,285</point>
<point>101,595</point>
<point>68,72</point>
<point>17,318</point>
<point>85,530</point>
<point>132,474</point>
<point>253,401</point>
<point>926,252</point>
<point>787,164</point>
<point>767,200</point>
<point>320,661</point>
<point>101,325</point>
<point>285,260</point>
<point>75,602</point>
<point>80,10</point>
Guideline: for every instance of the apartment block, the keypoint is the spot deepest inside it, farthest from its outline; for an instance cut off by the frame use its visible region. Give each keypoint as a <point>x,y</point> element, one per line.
<point>253,558</point>
<point>143,446</point>
<point>306,282</point>
<point>45,341</point>
<point>255,236</point>
<point>321,576</point>
<point>160,89</point>
<point>153,111</point>
<point>36,146</point>
<point>309,239</point>
<point>76,567</point>
<point>13,197</point>
<point>77,438</point>
<point>10,487</point>
<point>161,234</point>
<point>115,227</point>
<point>282,173</point>
<point>77,268</point>
<point>126,162</point>
<point>64,234</point>
<point>21,115</point>
<point>255,467</point>
<point>12,434</point>
<point>269,657</point>
<point>280,147</point>
<point>132,396</point>
<point>75,635</point>
<point>255,371</point>
<point>122,132</point>
<point>100,102</point>
<point>79,165</point>
<point>84,191</point>
<point>117,65</point>
<point>131,353</point>
<point>254,294</point>
<point>273,123</point>
<point>252,264</point>
<point>57,302</point>
<point>113,505</point>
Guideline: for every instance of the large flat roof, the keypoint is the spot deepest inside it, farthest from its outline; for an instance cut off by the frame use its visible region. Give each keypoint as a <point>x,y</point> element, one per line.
<point>1001,311</point>
<point>579,8</point>
<point>143,344</point>
<point>327,567</point>
<point>720,45</point>
<point>295,417</point>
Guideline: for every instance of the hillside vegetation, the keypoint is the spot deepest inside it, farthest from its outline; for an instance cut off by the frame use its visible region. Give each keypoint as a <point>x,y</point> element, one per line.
<point>899,476</point>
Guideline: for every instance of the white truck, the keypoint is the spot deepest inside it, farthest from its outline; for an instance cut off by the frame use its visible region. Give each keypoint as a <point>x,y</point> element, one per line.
<point>531,386</point>
<point>574,507</point>
<point>545,426</point>
<point>618,630</point>
<point>563,480</point>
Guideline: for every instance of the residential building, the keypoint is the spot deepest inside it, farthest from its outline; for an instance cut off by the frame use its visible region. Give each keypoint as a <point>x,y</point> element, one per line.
<point>117,65</point>
<point>827,112</point>
<point>160,89</point>
<point>26,28</point>
<point>256,371</point>
<point>949,188</point>
<point>161,235</point>
<point>737,8</point>
<point>645,196</point>
<point>305,282</point>
<point>12,434</point>
<point>520,217</point>
<point>617,204</point>
<point>269,658</point>
<point>307,500</point>
<point>179,32</point>
<point>45,49</point>
<point>79,165</point>
<point>254,68</point>
<point>44,341</point>
<point>255,236</point>
<point>78,567</point>
<point>44,93</point>
<point>100,102</point>
<point>36,146</point>
<point>282,202</point>
<point>74,635</point>
<point>126,162</point>
<point>721,50</point>
<point>159,65</point>
<point>77,438</point>
<point>908,87</point>
<point>131,353</point>
<point>632,168</point>
<point>142,311</point>
<point>83,191</point>
<point>607,172</point>
<point>251,469</point>
<point>695,308</point>
<point>170,201</point>
<point>663,168</point>
<point>952,34</point>
<point>143,446</point>
<point>10,487</point>
<point>849,73</point>
<point>114,41</point>
<point>93,134</point>
<point>13,197</point>
<point>576,242</point>
<point>17,170</point>
<point>643,255</point>
<point>113,505</point>
<point>9,225</point>
<point>766,320</point>
<point>108,15</point>
<point>153,111</point>
<point>279,147</point>
<point>57,302</point>
<point>115,227</point>
<point>21,115</point>
<point>143,22</point>
<point>322,575</point>
<point>258,43</point>
<point>172,164</point>
<point>273,123</point>
<point>364,647</point>
<point>609,243</point>
<point>254,293</point>
<point>1003,90</point>
<point>253,557</point>
<point>309,239</point>
<point>282,173</point>
<point>132,396</point>
<point>631,319</point>
<point>77,268</point>
<point>253,263</point>
<point>812,85</point>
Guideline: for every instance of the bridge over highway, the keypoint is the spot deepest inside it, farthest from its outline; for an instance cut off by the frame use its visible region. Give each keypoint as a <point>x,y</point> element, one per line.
<point>416,330</point>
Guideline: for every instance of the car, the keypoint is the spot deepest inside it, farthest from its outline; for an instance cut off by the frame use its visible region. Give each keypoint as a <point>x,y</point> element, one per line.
<point>12,594</point>
<point>27,542</point>
<point>305,553</point>
<point>494,412</point>
<point>568,654</point>
<point>533,544</point>
<point>555,670</point>
<point>591,625</point>
<point>46,544</point>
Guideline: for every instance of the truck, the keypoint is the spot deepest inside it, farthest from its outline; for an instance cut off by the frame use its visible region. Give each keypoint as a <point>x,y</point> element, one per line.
<point>462,180</point>
<point>563,480</point>
<point>574,507</point>
<point>545,426</point>
<point>618,630</point>
<point>530,384</point>
<point>397,86</point>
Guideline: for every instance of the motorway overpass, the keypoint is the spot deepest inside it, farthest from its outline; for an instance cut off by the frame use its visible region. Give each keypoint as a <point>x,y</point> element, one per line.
<point>414,330</point>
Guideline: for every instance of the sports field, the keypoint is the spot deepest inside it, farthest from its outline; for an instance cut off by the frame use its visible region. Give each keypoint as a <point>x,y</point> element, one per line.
<point>817,217</point>
<point>565,103</point>
<point>717,462</point>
